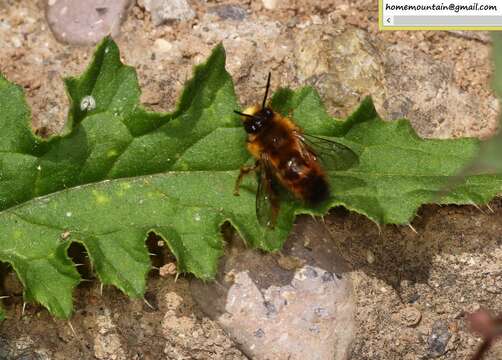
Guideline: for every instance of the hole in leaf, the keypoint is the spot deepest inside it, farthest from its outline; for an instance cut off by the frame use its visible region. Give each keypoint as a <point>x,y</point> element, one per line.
<point>227,231</point>
<point>10,286</point>
<point>159,251</point>
<point>79,256</point>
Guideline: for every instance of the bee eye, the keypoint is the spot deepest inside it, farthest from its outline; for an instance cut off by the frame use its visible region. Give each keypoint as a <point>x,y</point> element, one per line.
<point>253,126</point>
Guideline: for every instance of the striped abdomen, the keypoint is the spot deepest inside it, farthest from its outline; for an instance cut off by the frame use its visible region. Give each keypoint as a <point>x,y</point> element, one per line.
<point>304,177</point>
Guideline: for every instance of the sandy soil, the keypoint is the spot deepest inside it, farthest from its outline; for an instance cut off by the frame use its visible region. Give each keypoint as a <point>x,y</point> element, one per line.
<point>406,283</point>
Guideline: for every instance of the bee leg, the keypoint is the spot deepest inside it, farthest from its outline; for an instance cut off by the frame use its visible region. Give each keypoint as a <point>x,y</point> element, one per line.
<point>245,170</point>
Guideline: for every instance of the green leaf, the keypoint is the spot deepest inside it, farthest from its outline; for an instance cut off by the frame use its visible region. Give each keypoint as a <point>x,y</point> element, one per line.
<point>195,152</point>
<point>397,171</point>
<point>118,172</point>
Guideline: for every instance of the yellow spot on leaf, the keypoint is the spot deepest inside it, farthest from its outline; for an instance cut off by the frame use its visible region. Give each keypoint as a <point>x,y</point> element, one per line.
<point>112,153</point>
<point>101,198</point>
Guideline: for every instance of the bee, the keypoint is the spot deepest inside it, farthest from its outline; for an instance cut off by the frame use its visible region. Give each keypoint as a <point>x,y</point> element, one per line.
<point>285,157</point>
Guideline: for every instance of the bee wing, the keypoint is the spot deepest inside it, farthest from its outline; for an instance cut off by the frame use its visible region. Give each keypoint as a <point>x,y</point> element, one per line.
<point>267,197</point>
<point>333,155</point>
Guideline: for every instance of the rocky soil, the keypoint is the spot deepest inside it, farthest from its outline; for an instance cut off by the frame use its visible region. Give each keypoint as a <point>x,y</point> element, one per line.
<point>406,289</point>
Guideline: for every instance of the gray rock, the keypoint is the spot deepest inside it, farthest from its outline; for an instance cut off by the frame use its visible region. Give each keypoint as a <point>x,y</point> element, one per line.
<point>423,90</point>
<point>346,64</point>
<point>165,11</point>
<point>341,63</point>
<point>438,339</point>
<point>229,12</point>
<point>298,305</point>
<point>85,22</point>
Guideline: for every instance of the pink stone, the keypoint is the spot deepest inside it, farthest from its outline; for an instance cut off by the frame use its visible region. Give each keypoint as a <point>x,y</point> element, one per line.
<point>85,22</point>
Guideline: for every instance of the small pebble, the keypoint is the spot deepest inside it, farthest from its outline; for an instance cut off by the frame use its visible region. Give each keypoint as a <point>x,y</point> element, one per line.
<point>165,11</point>
<point>85,22</point>
<point>409,316</point>
<point>438,339</point>
<point>270,4</point>
<point>229,12</point>
<point>162,46</point>
<point>370,257</point>
<point>290,262</point>
<point>168,269</point>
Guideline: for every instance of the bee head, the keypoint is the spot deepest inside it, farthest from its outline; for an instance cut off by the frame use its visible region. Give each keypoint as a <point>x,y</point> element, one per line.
<point>256,118</point>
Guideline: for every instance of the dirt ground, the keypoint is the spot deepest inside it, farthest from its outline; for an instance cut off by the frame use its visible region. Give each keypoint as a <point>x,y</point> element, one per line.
<point>408,285</point>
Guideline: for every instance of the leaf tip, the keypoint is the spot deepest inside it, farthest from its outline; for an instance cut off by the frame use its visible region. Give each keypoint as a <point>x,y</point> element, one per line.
<point>219,49</point>
<point>105,45</point>
<point>369,106</point>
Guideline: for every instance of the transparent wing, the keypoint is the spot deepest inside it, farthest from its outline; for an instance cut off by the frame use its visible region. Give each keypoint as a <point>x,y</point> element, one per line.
<point>267,197</point>
<point>333,155</point>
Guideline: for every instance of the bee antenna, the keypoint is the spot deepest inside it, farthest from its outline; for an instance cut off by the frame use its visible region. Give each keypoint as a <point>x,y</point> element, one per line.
<point>246,115</point>
<point>266,90</point>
